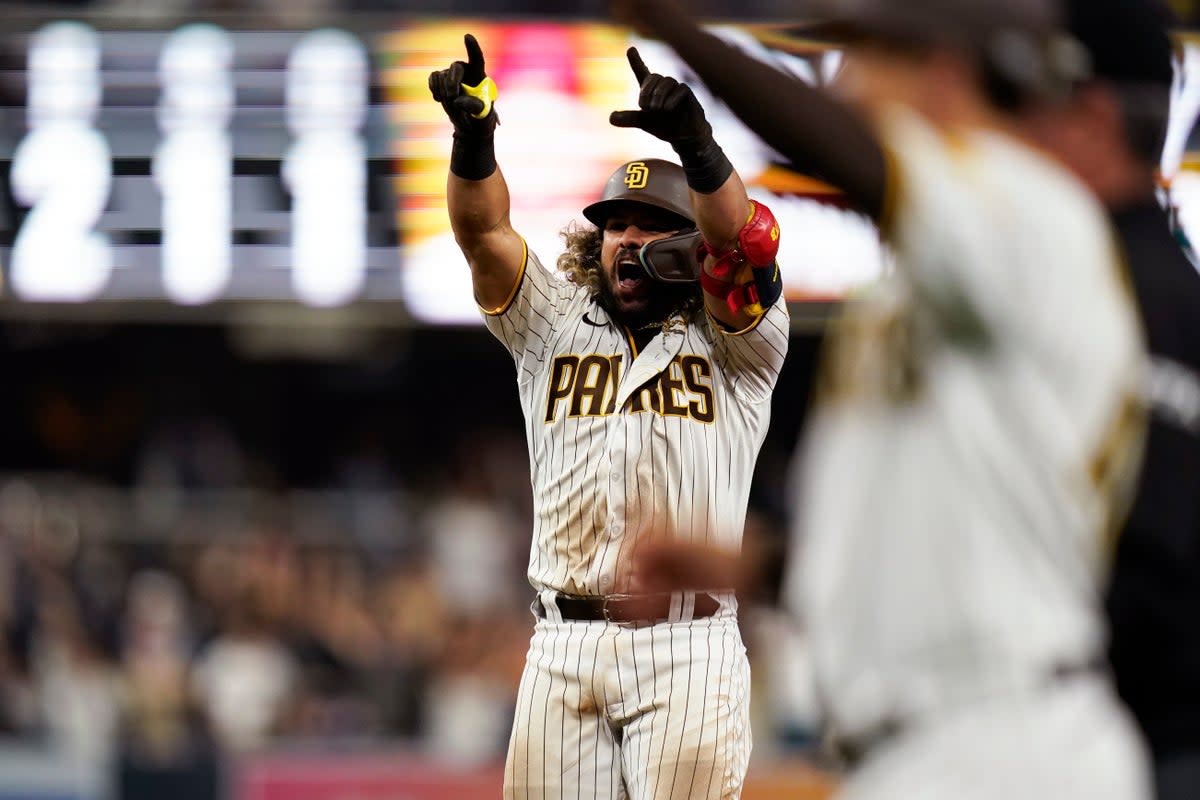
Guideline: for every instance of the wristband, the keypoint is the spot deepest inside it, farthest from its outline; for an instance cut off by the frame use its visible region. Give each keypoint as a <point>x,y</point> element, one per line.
<point>473,158</point>
<point>707,168</point>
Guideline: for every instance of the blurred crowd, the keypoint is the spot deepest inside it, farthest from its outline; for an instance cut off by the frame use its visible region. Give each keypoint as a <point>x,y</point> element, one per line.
<point>170,626</point>
<point>165,626</point>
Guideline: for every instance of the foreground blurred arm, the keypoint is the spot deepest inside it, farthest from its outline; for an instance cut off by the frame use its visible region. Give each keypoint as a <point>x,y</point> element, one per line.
<point>819,135</point>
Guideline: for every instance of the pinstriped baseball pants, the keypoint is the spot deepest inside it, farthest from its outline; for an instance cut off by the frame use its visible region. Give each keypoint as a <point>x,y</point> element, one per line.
<point>614,712</point>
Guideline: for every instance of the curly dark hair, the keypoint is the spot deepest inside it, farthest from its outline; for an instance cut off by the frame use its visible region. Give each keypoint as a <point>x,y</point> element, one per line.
<point>580,262</point>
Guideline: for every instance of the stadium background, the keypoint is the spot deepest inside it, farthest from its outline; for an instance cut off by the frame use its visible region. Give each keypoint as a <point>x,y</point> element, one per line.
<point>263,539</point>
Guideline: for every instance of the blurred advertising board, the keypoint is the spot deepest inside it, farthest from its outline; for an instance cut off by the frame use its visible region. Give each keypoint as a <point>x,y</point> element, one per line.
<point>31,773</point>
<point>384,777</point>
<point>360,777</point>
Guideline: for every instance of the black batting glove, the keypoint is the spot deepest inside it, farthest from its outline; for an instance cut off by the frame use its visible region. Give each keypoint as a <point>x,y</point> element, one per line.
<point>670,111</point>
<point>452,88</point>
<point>467,95</point>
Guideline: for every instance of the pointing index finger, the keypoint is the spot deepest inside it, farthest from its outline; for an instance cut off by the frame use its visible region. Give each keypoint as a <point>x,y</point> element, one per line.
<point>640,70</point>
<point>474,54</point>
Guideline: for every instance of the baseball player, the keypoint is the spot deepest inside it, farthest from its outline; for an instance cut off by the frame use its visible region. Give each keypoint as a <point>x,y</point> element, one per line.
<point>977,423</point>
<point>645,378</point>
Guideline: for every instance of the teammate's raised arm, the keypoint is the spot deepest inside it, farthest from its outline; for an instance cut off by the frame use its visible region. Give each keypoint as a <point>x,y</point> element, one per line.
<point>724,214</point>
<point>476,193</point>
<point>819,135</point>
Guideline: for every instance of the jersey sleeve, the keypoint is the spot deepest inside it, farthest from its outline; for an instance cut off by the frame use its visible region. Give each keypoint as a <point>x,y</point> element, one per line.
<point>524,322</point>
<point>754,357</point>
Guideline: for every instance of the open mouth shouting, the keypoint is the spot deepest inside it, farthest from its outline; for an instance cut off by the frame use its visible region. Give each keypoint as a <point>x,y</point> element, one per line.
<point>630,274</point>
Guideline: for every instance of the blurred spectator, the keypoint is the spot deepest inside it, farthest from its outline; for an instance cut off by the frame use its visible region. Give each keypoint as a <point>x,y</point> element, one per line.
<point>166,748</point>
<point>472,692</point>
<point>470,540</point>
<point>339,644</point>
<point>412,619</point>
<point>18,703</point>
<point>474,532</point>
<point>18,711</point>
<point>194,452</point>
<point>78,689</point>
<point>245,677</point>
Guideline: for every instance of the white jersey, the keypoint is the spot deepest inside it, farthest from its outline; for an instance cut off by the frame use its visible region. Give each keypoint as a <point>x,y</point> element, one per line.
<point>976,415</point>
<point>622,442</point>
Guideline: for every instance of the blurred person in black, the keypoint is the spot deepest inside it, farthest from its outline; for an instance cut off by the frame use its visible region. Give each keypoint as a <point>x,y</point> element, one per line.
<point>1155,590</point>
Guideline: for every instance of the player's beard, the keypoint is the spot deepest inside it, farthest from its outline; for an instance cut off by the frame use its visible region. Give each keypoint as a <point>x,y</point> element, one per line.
<point>663,300</point>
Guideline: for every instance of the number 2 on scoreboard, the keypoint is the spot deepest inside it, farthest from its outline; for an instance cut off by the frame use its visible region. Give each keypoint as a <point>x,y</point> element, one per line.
<point>62,168</point>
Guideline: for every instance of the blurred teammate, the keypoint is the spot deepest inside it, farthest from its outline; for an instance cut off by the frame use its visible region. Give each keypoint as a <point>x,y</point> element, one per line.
<point>1155,592</point>
<point>977,423</point>
<point>646,387</point>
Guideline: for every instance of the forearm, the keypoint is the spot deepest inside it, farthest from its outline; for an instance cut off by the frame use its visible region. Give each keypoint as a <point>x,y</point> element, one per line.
<point>477,208</point>
<point>720,216</point>
<point>479,218</point>
<point>817,134</point>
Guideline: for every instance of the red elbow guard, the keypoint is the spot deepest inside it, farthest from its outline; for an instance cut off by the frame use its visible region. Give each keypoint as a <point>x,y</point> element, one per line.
<point>759,238</point>
<point>758,244</point>
<point>747,277</point>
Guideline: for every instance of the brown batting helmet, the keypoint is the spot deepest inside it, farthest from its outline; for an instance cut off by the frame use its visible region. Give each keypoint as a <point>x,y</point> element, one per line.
<point>650,181</point>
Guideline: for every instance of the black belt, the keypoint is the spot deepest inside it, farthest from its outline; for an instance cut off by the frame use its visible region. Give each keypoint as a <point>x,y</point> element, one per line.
<point>628,609</point>
<point>851,750</point>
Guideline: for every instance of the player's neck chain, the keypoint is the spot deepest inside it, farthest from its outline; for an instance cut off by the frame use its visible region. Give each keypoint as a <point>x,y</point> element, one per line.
<point>673,321</point>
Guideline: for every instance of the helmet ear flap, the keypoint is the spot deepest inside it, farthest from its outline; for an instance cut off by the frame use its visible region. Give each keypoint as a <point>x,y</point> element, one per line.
<point>674,259</point>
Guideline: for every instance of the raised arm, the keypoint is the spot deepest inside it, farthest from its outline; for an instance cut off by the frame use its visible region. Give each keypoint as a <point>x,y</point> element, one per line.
<point>476,194</point>
<point>819,135</point>
<point>669,111</point>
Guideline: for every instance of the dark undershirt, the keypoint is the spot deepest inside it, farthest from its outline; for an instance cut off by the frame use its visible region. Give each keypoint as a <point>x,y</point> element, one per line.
<point>643,336</point>
<point>1154,599</point>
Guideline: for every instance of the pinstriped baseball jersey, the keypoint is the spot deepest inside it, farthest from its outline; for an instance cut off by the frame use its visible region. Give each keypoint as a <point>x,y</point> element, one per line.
<point>975,425</point>
<point>624,441</point>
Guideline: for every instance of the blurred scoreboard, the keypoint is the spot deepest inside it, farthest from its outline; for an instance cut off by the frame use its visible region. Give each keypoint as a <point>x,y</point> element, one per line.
<point>203,166</point>
<point>194,165</point>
